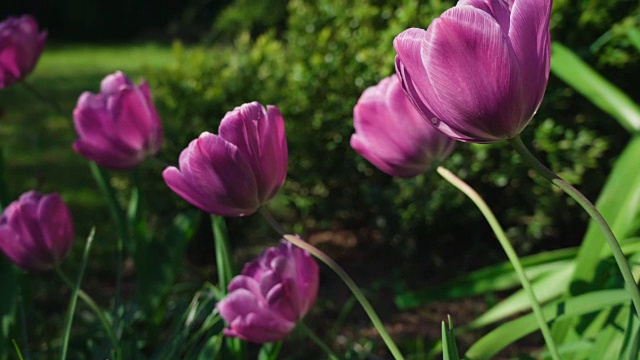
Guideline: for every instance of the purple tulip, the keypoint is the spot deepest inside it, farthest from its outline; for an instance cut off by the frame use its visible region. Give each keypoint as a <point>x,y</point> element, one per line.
<point>479,72</point>
<point>271,295</point>
<point>36,231</point>
<point>238,170</point>
<point>20,47</point>
<point>392,134</point>
<point>119,127</point>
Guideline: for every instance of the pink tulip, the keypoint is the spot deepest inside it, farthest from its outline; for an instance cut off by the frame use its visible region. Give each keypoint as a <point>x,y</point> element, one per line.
<point>119,127</point>
<point>36,231</point>
<point>271,295</point>
<point>479,72</point>
<point>20,47</point>
<point>392,134</point>
<point>238,170</point>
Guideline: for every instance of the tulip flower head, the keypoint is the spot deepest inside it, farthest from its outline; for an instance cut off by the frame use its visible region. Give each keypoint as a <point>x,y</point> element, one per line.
<point>119,127</point>
<point>20,47</point>
<point>36,231</point>
<point>392,134</point>
<point>271,294</point>
<point>238,170</point>
<point>479,72</point>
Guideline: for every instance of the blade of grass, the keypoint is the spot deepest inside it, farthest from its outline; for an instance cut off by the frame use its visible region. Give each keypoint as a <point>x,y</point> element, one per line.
<point>547,287</point>
<point>580,76</point>
<point>223,252</point>
<point>489,279</point>
<point>490,344</point>
<point>619,203</point>
<point>509,251</point>
<point>74,296</point>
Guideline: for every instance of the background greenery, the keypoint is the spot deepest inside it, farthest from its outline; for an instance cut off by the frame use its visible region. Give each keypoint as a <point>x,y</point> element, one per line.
<point>312,59</point>
<point>316,68</point>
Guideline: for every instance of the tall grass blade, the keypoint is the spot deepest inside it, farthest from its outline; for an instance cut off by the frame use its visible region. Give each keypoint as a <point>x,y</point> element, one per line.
<point>580,76</point>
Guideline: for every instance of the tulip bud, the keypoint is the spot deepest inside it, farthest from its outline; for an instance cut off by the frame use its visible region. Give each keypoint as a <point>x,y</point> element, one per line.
<point>392,135</point>
<point>20,47</point>
<point>238,170</point>
<point>119,127</point>
<point>271,294</point>
<point>479,72</point>
<point>36,231</point>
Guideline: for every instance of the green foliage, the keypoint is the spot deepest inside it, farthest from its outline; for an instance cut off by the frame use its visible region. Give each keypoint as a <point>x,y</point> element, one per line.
<point>9,281</point>
<point>316,69</point>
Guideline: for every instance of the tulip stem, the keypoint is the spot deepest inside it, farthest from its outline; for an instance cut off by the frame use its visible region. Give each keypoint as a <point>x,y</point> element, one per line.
<point>223,252</point>
<point>4,192</point>
<point>101,177</point>
<point>45,99</point>
<point>373,316</point>
<point>91,304</point>
<point>23,320</point>
<point>74,295</point>
<point>576,195</point>
<point>508,249</point>
<point>316,339</point>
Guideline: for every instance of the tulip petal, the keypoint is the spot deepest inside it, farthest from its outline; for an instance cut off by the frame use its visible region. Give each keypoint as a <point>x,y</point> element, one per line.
<point>133,121</point>
<point>20,48</point>
<point>55,221</point>
<point>531,43</point>
<point>391,134</point>
<point>244,282</point>
<point>259,136</point>
<point>113,83</point>
<point>260,328</point>
<point>237,304</point>
<point>307,280</point>
<point>251,322</point>
<point>119,127</point>
<point>15,248</point>
<point>36,231</point>
<point>475,89</point>
<point>275,155</point>
<point>213,177</point>
<point>497,9</point>
<point>411,69</point>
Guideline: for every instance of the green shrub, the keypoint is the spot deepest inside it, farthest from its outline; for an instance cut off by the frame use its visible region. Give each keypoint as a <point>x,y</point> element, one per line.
<point>316,70</point>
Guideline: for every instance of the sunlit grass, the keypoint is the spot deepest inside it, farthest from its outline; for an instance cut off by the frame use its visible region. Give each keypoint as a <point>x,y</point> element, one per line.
<point>37,139</point>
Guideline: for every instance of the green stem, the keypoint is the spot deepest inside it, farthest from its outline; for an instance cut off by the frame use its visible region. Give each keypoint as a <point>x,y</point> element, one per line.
<point>223,252</point>
<point>101,177</point>
<point>224,265</point>
<point>373,316</point>
<point>4,189</point>
<point>45,99</point>
<point>511,254</point>
<point>23,320</point>
<point>610,238</point>
<point>314,337</point>
<point>377,323</point>
<point>106,324</point>
<point>74,296</point>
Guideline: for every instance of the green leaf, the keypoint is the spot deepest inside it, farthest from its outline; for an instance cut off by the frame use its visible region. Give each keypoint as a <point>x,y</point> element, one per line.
<point>159,262</point>
<point>631,344</point>
<point>505,334</point>
<point>549,286</point>
<point>619,204</point>
<point>489,279</point>
<point>580,76</point>
<point>7,304</point>
<point>449,347</point>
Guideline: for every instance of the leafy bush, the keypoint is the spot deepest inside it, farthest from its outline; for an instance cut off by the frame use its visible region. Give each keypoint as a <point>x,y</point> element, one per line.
<point>316,70</point>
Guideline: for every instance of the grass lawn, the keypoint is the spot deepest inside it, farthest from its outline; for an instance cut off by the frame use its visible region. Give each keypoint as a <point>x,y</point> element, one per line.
<point>36,139</point>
